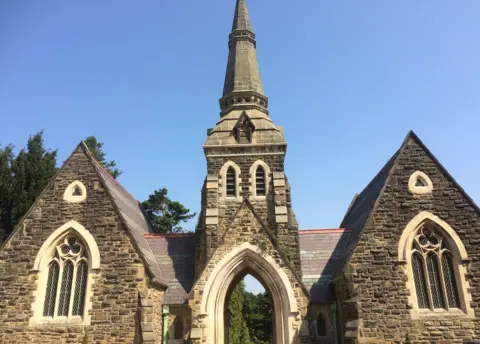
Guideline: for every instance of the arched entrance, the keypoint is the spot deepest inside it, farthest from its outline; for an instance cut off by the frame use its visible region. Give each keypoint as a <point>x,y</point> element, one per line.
<point>248,313</point>
<point>248,259</point>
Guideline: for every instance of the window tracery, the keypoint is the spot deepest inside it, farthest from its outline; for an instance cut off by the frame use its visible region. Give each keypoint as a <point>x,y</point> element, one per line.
<point>75,192</point>
<point>420,184</point>
<point>433,270</point>
<point>67,279</point>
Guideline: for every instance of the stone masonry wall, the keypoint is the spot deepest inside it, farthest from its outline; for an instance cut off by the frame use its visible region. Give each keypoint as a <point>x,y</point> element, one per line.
<point>383,295</point>
<point>286,234</point>
<point>115,295</point>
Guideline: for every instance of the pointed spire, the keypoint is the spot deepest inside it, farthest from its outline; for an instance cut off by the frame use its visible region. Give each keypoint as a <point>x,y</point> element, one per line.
<point>243,86</point>
<point>241,20</point>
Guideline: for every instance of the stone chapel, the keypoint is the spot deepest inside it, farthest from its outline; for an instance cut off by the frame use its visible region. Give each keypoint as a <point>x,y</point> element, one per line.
<point>83,266</point>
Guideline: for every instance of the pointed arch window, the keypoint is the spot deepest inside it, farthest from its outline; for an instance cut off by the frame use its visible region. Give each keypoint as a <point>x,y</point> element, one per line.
<point>260,182</point>
<point>67,279</point>
<point>433,270</point>
<point>231,185</point>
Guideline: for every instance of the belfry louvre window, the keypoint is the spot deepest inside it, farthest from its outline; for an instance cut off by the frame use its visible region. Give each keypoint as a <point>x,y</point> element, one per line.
<point>260,181</point>
<point>67,280</point>
<point>231,182</point>
<point>433,270</point>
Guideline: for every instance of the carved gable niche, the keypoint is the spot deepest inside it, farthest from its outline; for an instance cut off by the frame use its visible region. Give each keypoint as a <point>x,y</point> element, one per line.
<point>243,130</point>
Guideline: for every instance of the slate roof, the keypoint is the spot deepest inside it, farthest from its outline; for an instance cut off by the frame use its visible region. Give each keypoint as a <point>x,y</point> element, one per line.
<point>175,254</point>
<point>362,204</point>
<point>133,217</point>
<point>320,251</point>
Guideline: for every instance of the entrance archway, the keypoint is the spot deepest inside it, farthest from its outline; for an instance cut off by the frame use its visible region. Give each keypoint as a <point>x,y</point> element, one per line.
<point>248,313</point>
<point>248,259</point>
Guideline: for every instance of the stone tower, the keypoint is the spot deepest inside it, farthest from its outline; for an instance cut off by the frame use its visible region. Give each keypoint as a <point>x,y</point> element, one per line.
<point>245,154</point>
<point>246,224</point>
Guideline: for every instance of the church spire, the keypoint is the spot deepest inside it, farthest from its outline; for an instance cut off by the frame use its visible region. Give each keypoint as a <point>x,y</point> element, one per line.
<point>243,86</point>
<point>241,20</point>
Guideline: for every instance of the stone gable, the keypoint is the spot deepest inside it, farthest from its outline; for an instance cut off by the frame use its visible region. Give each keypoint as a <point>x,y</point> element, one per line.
<point>245,228</point>
<point>115,300</point>
<point>375,282</point>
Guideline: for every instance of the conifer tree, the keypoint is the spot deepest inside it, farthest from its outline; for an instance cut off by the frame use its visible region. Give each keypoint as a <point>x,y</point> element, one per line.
<point>238,329</point>
<point>165,214</point>
<point>23,178</point>
<point>96,148</point>
<point>6,157</point>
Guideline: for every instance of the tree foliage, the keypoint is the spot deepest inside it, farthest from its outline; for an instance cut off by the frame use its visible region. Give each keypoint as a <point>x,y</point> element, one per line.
<point>250,317</point>
<point>96,148</point>
<point>258,316</point>
<point>164,214</point>
<point>23,178</point>
<point>238,328</point>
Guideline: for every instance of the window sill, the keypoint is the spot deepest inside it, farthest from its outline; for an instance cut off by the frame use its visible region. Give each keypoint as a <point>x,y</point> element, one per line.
<point>258,198</point>
<point>439,313</point>
<point>75,321</point>
<point>233,199</point>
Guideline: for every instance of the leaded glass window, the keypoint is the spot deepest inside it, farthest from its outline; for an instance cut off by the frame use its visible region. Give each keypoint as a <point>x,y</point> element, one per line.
<point>260,181</point>
<point>51,291</point>
<point>67,279</point>
<point>231,182</point>
<point>433,270</point>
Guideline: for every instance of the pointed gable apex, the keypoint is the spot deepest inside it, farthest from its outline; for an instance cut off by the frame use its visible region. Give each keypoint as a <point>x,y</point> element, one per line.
<point>247,206</point>
<point>364,204</point>
<point>18,227</point>
<point>412,136</point>
<point>128,209</point>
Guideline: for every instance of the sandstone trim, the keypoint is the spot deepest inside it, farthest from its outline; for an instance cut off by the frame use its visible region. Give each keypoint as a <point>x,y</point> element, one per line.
<point>460,258</point>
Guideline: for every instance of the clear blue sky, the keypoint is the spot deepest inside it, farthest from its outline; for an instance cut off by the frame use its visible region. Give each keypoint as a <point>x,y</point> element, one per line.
<point>346,79</point>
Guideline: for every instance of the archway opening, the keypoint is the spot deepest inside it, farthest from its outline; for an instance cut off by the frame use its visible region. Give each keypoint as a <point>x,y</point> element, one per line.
<point>239,262</point>
<point>249,312</point>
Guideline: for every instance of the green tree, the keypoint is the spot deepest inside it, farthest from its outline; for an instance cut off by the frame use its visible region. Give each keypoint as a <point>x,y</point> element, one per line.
<point>23,178</point>
<point>164,214</point>
<point>238,331</point>
<point>258,317</point>
<point>96,149</point>
<point>6,157</point>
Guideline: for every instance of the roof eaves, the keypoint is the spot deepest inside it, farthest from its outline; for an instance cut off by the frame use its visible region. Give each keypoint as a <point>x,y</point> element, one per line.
<point>156,280</point>
<point>394,159</point>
